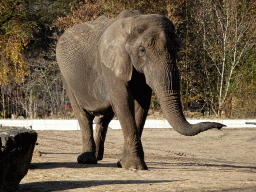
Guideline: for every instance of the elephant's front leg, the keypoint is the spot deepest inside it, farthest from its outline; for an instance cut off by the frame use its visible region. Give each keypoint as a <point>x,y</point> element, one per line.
<point>133,154</point>
<point>141,112</point>
<point>123,103</point>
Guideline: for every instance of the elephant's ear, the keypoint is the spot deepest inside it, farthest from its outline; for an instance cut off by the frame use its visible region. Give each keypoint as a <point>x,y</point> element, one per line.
<point>112,48</point>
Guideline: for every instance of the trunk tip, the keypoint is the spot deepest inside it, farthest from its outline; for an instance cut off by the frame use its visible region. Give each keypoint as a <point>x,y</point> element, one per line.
<point>218,125</point>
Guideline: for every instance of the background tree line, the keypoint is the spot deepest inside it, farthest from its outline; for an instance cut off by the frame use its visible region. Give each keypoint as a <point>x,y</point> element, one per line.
<point>217,59</point>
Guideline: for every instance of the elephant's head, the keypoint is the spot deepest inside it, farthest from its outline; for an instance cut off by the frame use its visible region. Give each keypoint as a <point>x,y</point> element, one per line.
<point>149,44</point>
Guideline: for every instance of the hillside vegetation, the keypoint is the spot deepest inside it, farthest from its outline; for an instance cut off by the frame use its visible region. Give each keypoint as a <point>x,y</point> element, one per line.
<point>217,60</point>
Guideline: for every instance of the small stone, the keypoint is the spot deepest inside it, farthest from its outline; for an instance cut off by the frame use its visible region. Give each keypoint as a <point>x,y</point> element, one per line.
<point>37,153</point>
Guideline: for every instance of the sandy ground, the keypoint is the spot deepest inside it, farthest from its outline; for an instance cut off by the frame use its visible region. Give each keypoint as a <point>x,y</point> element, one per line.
<point>211,161</point>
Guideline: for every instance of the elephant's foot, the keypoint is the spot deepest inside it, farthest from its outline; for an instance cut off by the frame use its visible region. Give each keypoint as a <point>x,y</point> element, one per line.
<point>132,164</point>
<point>87,158</point>
<point>132,158</point>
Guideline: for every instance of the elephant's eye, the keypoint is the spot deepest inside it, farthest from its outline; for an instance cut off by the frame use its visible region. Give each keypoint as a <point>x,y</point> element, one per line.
<point>142,51</point>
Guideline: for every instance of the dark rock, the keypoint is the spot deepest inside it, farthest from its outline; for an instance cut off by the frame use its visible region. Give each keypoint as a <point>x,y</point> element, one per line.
<point>17,146</point>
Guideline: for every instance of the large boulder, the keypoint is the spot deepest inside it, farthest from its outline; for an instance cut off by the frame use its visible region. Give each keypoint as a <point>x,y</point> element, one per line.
<point>17,146</point>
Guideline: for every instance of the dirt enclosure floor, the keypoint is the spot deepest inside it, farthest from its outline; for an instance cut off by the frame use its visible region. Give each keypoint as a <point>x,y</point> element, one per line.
<point>211,161</point>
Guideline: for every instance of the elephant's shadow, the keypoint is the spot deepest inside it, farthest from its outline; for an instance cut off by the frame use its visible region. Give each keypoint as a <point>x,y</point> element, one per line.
<point>64,185</point>
<point>54,165</point>
<point>197,165</point>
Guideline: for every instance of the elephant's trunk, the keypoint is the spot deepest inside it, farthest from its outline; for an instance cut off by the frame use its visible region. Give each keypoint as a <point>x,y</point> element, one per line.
<point>168,93</point>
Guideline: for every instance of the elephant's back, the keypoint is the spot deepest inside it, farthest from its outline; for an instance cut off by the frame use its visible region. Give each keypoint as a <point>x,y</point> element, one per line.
<point>77,52</point>
<point>81,40</point>
<point>90,31</point>
<point>77,48</point>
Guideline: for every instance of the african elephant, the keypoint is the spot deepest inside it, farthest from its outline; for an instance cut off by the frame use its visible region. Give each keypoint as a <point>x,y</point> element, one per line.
<point>111,66</point>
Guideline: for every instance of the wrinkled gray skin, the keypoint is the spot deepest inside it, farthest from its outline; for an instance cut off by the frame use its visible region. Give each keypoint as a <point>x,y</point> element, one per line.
<point>111,66</point>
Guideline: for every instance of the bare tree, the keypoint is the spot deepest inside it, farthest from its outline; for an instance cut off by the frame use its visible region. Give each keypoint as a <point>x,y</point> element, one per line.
<point>42,92</point>
<point>228,28</point>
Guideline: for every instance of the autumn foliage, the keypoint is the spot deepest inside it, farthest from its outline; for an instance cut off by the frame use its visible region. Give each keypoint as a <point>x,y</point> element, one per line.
<point>217,59</point>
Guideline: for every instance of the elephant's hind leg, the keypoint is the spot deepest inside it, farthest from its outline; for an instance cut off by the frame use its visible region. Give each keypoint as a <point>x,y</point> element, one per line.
<point>85,121</point>
<point>102,123</point>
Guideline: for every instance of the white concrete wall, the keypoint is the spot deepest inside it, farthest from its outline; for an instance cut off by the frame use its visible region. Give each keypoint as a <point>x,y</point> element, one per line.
<point>114,124</point>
